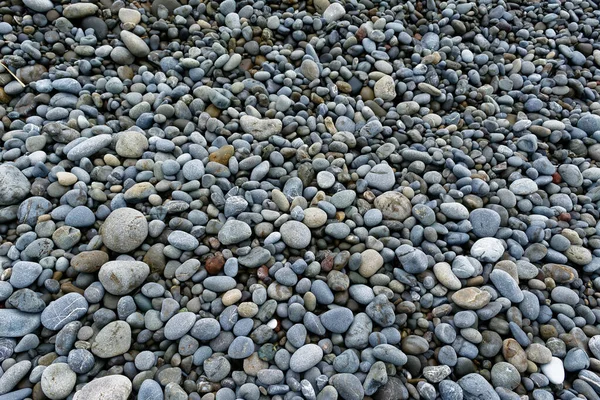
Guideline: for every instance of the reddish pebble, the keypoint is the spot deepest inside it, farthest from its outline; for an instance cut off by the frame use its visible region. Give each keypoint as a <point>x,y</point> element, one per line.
<point>215,264</point>
<point>556,178</point>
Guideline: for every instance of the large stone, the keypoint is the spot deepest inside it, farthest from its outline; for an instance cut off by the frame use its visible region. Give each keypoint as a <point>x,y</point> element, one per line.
<point>124,230</point>
<point>295,234</point>
<point>113,340</point>
<point>135,44</point>
<point>122,277</point>
<point>79,10</point>
<point>475,387</point>
<point>261,129</point>
<point>471,298</point>
<point>306,357</point>
<point>12,376</point>
<point>131,144</point>
<point>63,310</point>
<point>385,88</point>
<point>89,147</point>
<point>394,205</point>
<point>58,381</point>
<point>112,387</point>
<point>234,231</point>
<point>40,6</point>
<point>14,186</point>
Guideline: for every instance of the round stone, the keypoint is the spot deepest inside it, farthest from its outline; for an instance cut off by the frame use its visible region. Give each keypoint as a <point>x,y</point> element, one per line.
<point>295,234</point>
<point>58,381</point>
<point>124,230</point>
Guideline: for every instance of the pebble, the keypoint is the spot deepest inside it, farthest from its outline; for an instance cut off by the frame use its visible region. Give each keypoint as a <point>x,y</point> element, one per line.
<point>122,277</point>
<point>260,129</point>
<point>58,381</point>
<point>554,370</point>
<point>305,358</point>
<point>11,376</point>
<point>14,186</point>
<point>112,386</point>
<point>63,310</point>
<point>112,340</point>
<point>179,325</point>
<point>295,234</point>
<point>124,230</point>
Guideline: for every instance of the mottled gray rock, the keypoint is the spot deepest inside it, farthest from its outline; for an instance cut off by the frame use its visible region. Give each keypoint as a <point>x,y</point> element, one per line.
<point>14,186</point>
<point>113,340</point>
<point>112,387</point>
<point>122,277</point>
<point>124,230</point>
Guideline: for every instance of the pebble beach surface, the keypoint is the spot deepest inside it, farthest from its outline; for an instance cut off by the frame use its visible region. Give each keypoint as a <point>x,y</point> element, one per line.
<point>319,200</point>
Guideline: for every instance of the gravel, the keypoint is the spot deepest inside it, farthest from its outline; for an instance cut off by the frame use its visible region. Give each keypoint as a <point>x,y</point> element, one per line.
<point>338,199</point>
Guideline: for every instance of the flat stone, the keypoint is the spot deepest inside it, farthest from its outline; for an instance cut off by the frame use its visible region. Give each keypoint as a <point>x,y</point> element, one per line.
<point>179,325</point>
<point>234,231</point>
<point>390,354</point>
<point>305,358</point>
<point>112,387</point>
<point>79,10</point>
<point>40,6</point>
<point>58,381</point>
<point>261,129</point>
<point>13,375</point>
<point>89,147</point>
<point>337,320</point>
<point>475,386</point>
<point>63,310</point>
<point>295,234</point>
<point>471,298</point>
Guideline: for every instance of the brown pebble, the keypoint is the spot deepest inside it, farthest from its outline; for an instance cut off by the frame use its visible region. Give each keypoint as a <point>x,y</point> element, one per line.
<point>215,264</point>
<point>70,288</point>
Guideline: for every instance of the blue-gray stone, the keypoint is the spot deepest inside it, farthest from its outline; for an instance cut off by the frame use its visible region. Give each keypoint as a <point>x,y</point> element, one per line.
<point>485,222</point>
<point>63,310</point>
<point>241,347</point>
<point>81,361</point>
<point>179,325</point>
<point>589,123</point>
<point>150,390</point>
<point>206,329</point>
<point>31,208</point>
<point>89,147</point>
<point>337,320</point>
<point>219,283</point>
<point>16,323</point>
<point>183,241</point>
<point>475,387</point>
<point>24,273</point>
<point>80,216</point>
<point>506,285</point>
<point>413,260</point>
